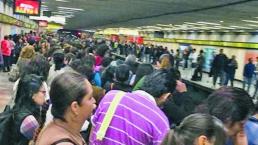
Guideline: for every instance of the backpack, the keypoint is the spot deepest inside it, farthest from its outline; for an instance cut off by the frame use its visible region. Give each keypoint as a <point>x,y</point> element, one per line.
<point>6,123</point>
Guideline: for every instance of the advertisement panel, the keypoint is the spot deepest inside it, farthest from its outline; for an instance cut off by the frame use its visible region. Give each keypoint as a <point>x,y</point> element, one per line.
<point>27,7</point>
<point>209,54</point>
<point>43,23</point>
<point>251,54</point>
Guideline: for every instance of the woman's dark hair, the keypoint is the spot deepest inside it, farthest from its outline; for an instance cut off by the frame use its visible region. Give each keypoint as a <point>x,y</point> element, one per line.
<point>101,49</point>
<point>6,37</point>
<point>79,66</point>
<point>164,78</point>
<point>84,66</point>
<point>58,58</point>
<point>196,125</point>
<point>27,87</point>
<point>65,89</point>
<point>122,73</point>
<point>229,104</point>
<point>142,70</point>
<point>38,66</point>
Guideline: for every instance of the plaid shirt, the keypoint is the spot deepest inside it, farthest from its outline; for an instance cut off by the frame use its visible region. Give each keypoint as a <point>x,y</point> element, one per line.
<point>28,126</point>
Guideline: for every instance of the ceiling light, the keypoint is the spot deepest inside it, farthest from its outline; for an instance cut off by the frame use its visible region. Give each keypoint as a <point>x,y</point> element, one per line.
<point>163,25</point>
<point>252,25</point>
<point>67,8</point>
<point>221,21</point>
<point>66,11</point>
<point>69,16</point>
<point>194,23</point>
<point>241,27</point>
<point>65,1</point>
<point>223,27</point>
<point>208,23</point>
<point>251,21</point>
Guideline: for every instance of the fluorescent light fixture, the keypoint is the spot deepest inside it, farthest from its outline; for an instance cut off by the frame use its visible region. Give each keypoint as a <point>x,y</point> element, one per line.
<point>208,23</point>
<point>251,21</point>
<point>194,23</point>
<point>163,25</point>
<point>241,27</point>
<point>69,16</point>
<point>223,27</point>
<point>65,1</point>
<point>61,12</point>
<point>67,8</point>
<point>252,25</point>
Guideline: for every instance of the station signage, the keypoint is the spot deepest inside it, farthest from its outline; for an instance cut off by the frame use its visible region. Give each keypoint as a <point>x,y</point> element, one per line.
<point>27,7</point>
<point>13,21</point>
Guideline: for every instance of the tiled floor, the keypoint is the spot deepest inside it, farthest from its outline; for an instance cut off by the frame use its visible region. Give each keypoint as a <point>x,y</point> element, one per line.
<point>5,90</point>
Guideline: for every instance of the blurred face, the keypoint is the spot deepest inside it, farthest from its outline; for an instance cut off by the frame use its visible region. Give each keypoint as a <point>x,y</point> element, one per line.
<point>235,128</point>
<point>39,97</point>
<point>88,103</point>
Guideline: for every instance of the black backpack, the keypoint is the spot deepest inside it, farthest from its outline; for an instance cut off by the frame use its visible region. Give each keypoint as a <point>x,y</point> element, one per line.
<point>6,123</point>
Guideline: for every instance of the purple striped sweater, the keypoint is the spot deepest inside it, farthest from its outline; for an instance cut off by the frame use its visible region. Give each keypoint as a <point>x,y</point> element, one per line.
<point>137,121</point>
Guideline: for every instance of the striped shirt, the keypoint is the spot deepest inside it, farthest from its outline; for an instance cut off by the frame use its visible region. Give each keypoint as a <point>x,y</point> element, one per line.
<point>137,120</point>
<point>28,126</point>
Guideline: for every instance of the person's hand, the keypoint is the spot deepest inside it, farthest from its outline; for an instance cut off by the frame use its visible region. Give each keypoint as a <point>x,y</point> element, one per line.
<point>180,87</point>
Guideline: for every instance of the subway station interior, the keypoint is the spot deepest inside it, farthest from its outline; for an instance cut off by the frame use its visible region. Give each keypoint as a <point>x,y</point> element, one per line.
<point>129,72</point>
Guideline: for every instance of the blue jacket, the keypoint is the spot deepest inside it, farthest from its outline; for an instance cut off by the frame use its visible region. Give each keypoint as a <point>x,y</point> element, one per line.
<point>249,70</point>
<point>251,130</point>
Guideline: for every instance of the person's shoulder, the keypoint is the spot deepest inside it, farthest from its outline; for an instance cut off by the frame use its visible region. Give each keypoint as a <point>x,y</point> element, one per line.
<point>51,134</point>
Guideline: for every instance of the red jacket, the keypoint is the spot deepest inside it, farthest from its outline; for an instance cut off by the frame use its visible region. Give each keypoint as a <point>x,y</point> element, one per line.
<point>5,47</point>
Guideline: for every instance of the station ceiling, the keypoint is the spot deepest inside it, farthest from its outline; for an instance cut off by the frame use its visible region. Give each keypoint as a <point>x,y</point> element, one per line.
<point>157,14</point>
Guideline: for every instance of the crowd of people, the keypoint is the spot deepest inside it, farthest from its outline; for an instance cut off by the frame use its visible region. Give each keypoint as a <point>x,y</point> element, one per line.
<point>221,66</point>
<point>77,93</point>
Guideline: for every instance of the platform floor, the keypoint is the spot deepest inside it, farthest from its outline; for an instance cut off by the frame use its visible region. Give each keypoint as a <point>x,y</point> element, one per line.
<point>207,81</point>
<point>5,90</point>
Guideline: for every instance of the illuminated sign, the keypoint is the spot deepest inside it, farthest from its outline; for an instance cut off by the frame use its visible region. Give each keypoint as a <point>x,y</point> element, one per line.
<point>43,23</point>
<point>27,7</point>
